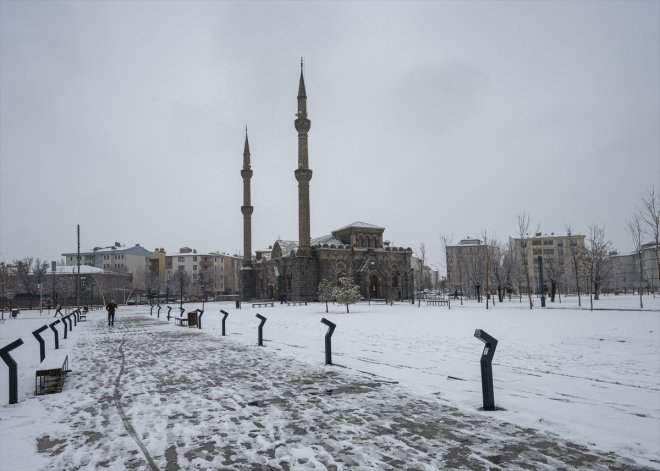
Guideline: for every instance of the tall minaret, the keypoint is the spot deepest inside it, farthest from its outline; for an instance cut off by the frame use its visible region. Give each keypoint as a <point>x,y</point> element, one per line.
<point>247,208</point>
<point>303,173</point>
<point>248,279</point>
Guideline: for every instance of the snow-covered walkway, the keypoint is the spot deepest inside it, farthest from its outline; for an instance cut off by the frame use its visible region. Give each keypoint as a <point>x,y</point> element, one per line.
<point>147,395</point>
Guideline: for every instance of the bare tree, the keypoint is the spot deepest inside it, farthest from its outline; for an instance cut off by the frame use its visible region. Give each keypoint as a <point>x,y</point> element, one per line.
<point>553,269</point>
<point>501,269</point>
<point>445,241</point>
<point>7,287</point>
<point>421,273</point>
<point>649,214</point>
<point>39,271</point>
<point>576,259</point>
<point>488,262</point>
<point>523,233</point>
<point>181,283</point>
<point>634,228</point>
<point>510,271</point>
<point>597,258</point>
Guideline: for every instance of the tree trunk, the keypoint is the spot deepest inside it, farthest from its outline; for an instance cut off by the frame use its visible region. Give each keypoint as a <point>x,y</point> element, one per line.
<point>553,290</point>
<point>641,279</point>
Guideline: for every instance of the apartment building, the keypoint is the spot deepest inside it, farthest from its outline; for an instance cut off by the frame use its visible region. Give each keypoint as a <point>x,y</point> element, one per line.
<point>625,277</point>
<point>466,266</point>
<point>220,271</point>
<point>116,258</point>
<point>553,249</point>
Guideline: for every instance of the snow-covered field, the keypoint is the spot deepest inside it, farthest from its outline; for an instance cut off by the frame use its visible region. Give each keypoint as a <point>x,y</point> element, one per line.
<point>592,377</point>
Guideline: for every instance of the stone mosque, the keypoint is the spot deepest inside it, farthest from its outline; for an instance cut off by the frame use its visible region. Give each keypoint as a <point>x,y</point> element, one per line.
<point>293,269</point>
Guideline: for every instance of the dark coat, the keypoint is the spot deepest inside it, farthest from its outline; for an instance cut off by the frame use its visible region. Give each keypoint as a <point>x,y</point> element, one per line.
<point>111,308</point>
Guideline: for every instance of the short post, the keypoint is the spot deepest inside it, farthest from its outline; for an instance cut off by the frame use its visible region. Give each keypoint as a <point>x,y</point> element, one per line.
<point>13,372</point>
<point>75,318</point>
<point>57,335</point>
<point>261,325</point>
<point>328,340</point>
<point>158,313</point>
<point>182,311</point>
<point>224,318</point>
<point>70,323</point>
<point>486,368</point>
<point>169,309</point>
<point>151,311</point>
<point>200,312</point>
<point>42,344</point>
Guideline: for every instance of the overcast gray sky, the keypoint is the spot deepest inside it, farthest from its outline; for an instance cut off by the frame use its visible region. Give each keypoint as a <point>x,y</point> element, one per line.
<point>431,117</point>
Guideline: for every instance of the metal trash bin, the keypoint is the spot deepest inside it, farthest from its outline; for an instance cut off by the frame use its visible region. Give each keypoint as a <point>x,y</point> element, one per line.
<point>238,304</point>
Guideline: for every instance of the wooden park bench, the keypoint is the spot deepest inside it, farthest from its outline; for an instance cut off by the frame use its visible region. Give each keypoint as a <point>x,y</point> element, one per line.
<point>297,303</point>
<point>50,376</point>
<point>264,304</point>
<point>181,321</point>
<point>437,301</point>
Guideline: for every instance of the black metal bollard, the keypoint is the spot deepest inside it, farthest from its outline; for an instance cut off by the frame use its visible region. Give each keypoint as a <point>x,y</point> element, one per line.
<point>70,323</point>
<point>66,326</point>
<point>328,340</point>
<point>75,318</point>
<point>42,344</point>
<point>57,335</point>
<point>261,330</point>
<point>182,310</point>
<point>169,309</point>
<point>13,372</point>
<point>224,318</point>
<point>151,311</point>
<point>200,312</point>
<point>486,368</point>
<point>158,313</point>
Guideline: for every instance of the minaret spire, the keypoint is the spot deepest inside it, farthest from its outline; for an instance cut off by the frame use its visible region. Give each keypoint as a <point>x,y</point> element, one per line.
<point>246,152</point>
<point>247,208</point>
<point>303,173</point>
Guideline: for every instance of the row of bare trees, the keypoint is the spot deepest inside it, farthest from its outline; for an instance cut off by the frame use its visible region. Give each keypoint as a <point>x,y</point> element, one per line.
<point>645,223</point>
<point>498,268</point>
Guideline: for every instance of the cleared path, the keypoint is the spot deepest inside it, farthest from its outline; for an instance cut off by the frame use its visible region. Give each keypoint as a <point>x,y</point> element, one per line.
<point>148,395</point>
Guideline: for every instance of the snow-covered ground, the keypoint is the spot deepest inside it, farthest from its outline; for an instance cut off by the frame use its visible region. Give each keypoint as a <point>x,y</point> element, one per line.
<point>591,377</point>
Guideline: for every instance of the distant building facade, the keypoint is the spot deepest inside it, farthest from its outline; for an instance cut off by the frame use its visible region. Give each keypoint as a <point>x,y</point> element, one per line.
<point>466,266</point>
<point>626,276</point>
<point>555,250</point>
<point>116,258</point>
<point>217,273</point>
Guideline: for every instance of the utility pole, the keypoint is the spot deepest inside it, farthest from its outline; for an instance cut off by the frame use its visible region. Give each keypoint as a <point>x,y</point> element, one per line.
<point>78,278</point>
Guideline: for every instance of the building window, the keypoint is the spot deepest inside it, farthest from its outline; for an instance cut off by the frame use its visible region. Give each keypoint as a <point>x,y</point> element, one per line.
<point>547,242</point>
<point>181,259</point>
<point>548,251</point>
<point>195,259</point>
<point>536,242</point>
<point>536,252</point>
<point>194,267</point>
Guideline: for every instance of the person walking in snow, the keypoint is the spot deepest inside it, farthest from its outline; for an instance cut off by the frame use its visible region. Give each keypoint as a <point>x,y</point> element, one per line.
<point>111,312</point>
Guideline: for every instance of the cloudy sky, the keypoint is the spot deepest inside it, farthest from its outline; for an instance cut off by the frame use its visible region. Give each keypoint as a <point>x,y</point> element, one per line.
<point>432,117</point>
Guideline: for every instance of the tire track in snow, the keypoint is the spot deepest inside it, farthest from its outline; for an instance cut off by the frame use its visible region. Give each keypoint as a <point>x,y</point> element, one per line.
<point>127,423</point>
